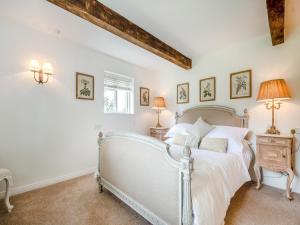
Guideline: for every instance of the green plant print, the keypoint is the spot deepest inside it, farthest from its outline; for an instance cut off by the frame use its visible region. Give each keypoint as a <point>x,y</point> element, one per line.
<point>145,97</point>
<point>241,84</point>
<point>207,92</point>
<point>85,91</point>
<point>182,94</point>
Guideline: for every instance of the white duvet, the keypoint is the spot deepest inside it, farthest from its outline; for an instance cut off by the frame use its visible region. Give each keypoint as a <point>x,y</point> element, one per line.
<point>215,179</point>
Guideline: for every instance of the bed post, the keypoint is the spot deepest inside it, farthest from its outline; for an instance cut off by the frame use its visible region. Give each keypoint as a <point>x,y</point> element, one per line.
<point>98,176</point>
<point>177,116</point>
<point>186,170</point>
<point>245,119</point>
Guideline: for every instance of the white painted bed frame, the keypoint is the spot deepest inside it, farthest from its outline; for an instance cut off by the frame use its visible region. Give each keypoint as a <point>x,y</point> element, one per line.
<point>183,166</point>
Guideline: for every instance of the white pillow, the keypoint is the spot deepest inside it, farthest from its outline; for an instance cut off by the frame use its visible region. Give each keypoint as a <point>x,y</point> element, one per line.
<point>180,128</point>
<point>169,141</point>
<point>235,136</point>
<point>200,128</point>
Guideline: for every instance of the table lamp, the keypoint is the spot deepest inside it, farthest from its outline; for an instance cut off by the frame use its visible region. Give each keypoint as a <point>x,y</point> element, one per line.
<point>272,92</point>
<point>159,105</point>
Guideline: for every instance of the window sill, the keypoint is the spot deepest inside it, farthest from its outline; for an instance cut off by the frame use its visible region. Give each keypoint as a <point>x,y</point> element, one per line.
<point>117,113</point>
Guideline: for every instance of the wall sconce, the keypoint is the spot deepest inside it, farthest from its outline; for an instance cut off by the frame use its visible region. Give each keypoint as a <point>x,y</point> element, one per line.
<point>41,75</point>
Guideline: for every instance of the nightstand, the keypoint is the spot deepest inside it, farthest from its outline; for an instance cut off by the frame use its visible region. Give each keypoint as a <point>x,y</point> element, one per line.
<point>274,152</point>
<point>158,132</point>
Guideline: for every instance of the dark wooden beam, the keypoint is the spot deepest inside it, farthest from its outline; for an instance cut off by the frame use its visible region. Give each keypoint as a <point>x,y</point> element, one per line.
<point>276,20</point>
<point>102,16</point>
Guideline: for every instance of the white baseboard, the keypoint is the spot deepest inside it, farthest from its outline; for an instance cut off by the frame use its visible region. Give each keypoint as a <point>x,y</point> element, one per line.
<point>47,182</point>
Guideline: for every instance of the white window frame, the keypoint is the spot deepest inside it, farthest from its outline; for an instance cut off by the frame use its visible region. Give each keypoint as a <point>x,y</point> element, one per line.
<point>131,98</point>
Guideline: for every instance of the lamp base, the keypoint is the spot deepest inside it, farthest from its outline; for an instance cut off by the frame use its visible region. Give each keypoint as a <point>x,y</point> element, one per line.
<point>272,130</point>
<point>158,125</point>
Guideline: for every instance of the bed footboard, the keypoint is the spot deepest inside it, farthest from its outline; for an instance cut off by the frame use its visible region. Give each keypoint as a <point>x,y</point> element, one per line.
<point>141,172</point>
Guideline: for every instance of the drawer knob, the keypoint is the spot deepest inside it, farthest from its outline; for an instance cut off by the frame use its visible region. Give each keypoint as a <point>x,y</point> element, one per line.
<point>283,155</point>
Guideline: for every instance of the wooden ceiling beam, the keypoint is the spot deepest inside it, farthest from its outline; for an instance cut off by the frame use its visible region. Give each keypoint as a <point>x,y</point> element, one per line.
<point>102,16</point>
<point>276,20</point>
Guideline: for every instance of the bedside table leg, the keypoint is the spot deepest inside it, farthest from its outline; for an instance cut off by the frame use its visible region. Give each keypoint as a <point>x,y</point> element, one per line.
<point>258,176</point>
<point>289,182</point>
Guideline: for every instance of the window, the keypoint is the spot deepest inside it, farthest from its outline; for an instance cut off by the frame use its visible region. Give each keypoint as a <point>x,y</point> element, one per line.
<point>118,93</point>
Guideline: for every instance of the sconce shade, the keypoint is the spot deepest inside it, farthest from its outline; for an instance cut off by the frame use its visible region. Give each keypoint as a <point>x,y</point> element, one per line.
<point>47,69</point>
<point>34,66</point>
<point>41,75</point>
<point>273,90</point>
<point>159,103</point>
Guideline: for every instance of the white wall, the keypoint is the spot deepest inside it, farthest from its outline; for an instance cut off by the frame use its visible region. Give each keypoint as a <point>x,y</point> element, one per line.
<point>45,133</point>
<point>267,62</point>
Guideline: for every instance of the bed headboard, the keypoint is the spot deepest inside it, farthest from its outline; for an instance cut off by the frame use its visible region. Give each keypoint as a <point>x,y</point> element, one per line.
<point>213,114</point>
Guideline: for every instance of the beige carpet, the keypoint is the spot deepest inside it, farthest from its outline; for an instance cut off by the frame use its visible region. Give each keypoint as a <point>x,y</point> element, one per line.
<point>77,202</point>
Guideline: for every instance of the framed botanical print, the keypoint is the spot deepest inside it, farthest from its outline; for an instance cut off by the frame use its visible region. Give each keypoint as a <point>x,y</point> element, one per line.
<point>241,84</point>
<point>207,89</point>
<point>84,86</point>
<point>183,93</point>
<point>144,96</point>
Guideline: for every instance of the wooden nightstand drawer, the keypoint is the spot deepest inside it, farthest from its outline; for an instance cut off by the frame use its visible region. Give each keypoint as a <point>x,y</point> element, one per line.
<point>273,140</point>
<point>154,131</point>
<point>273,157</point>
<point>158,132</point>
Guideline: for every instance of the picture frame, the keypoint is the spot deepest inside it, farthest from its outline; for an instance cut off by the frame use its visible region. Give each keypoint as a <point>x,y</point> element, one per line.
<point>183,95</point>
<point>144,96</point>
<point>84,86</point>
<point>241,84</point>
<point>207,89</point>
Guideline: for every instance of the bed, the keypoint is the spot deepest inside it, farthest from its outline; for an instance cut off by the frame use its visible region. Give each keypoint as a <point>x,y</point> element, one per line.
<point>172,184</point>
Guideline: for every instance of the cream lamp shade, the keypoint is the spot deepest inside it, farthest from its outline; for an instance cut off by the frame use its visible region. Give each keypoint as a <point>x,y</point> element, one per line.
<point>272,92</point>
<point>47,69</point>
<point>34,66</point>
<point>159,104</point>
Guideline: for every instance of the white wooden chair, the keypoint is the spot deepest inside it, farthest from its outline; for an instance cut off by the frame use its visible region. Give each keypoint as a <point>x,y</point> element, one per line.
<point>6,175</point>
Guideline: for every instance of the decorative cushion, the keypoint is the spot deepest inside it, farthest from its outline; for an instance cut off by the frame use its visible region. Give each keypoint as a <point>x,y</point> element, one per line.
<point>214,144</point>
<point>186,139</point>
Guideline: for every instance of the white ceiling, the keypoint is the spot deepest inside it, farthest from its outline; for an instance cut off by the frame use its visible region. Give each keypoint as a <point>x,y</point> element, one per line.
<point>194,27</point>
